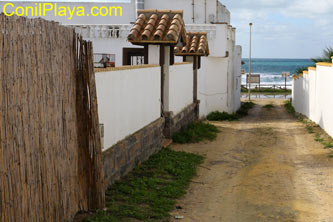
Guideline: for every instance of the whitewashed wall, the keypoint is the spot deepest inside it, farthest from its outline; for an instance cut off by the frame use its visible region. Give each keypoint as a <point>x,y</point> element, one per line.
<point>219,77</point>
<point>128,100</point>
<point>213,85</point>
<point>181,87</point>
<point>129,13</point>
<point>312,96</point>
<point>298,99</point>
<point>205,11</point>
<point>237,77</point>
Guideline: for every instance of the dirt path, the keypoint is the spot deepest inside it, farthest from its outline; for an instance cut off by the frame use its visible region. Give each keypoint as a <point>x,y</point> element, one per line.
<point>266,167</point>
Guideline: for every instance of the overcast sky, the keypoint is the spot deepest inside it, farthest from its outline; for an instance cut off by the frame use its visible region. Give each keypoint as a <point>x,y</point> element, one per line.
<point>283,28</point>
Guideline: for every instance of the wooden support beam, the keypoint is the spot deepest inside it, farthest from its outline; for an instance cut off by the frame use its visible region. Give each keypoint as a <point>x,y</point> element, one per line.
<point>199,62</point>
<point>172,55</point>
<point>195,78</point>
<point>146,54</point>
<point>162,56</point>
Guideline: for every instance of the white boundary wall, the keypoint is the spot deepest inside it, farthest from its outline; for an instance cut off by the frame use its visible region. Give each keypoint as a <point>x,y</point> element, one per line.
<point>181,87</point>
<point>312,96</point>
<point>128,100</point>
<point>220,74</point>
<point>213,85</point>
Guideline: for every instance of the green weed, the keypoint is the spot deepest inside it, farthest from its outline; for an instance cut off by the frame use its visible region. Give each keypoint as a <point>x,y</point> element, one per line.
<point>148,193</point>
<point>195,133</point>
<point>269,106</point>
<point>309,128</point>
<point>268,90</point>
<point>289,107</point>
<point>223,116</point>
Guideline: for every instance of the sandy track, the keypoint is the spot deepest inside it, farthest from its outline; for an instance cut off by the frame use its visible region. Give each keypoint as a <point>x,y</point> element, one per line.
<point>265,167</point>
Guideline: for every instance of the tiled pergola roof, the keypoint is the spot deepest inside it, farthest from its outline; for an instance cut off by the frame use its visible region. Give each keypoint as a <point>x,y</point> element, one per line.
<point>158,27</point>
<point>197,44</point>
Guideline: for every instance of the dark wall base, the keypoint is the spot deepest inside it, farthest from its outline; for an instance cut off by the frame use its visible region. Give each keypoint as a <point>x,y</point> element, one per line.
<point>124,156</point>
<point>120,159</point>
<point>175,123</point>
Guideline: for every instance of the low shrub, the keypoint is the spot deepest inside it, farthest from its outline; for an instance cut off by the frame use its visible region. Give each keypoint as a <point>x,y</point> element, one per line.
<point>195,133</point>
<point>269,106</point>
<point>289,107</point>
<point>223,116</point>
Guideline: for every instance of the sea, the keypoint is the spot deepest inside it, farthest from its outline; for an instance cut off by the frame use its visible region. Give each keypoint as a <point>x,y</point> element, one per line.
<point>270,70</point>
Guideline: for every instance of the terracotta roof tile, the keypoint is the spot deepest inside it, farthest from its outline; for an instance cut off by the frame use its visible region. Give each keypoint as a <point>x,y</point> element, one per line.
<point>158,26</point>
<point>197,44</point>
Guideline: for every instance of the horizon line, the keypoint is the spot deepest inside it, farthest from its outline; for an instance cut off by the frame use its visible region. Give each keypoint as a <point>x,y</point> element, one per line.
<point>276,58</point>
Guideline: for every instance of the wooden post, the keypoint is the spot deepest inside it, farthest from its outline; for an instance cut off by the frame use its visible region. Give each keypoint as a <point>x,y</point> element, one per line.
<point>199,62</point>
<point>146,54</point>
<point>195,79</point>
<point>172,55</point>
<point>162,77</point>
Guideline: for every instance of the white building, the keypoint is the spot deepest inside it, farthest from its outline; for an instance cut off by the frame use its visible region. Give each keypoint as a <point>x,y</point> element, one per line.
<point>219,78</point>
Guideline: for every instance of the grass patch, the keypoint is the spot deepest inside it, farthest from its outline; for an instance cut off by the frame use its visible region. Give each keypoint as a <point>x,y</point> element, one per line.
<point>318,138</point>
<point>269,106</point>
<point>302,119</point>
<point>328,145</point>
<point>309,129</point>
<point>320,135</point>
<point>148,193</point>
<point>196,132</point>
<point>289,107</point>
<point>223,116</point>
<point>268,90</point>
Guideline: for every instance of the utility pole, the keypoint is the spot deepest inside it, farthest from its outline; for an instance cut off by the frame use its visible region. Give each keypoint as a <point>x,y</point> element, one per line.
<point>249,77</point>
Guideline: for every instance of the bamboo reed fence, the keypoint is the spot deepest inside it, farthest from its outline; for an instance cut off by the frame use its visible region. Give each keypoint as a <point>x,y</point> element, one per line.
<point>50,149</point>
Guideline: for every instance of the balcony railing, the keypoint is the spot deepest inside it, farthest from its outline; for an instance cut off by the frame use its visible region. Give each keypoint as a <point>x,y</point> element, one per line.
<point>122,30</point>
<point>103,31</point>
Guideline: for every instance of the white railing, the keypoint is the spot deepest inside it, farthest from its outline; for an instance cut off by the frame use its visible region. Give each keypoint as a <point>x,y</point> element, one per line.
<point>103,31</point>
<point>122,30</point>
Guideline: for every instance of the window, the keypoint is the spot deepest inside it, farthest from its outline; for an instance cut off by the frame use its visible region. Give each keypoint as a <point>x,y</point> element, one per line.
<point>104,60</point>
<point>133,56</point>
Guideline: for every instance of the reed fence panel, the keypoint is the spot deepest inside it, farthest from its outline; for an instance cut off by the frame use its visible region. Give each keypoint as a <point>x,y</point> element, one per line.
<point>50,150</point>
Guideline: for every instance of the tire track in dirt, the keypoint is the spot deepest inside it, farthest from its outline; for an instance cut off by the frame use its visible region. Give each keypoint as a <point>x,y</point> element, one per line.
<point>265,167</point>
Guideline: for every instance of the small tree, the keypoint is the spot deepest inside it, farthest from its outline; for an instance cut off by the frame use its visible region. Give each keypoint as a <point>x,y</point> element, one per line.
<point>326,57</point>
<point>300,70</point>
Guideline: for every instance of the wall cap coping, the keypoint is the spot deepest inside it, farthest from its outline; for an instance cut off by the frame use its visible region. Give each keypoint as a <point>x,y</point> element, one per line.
<point>312,68</point>
<point>324,64</point>
<point>182,63</point>
<point>306,72</point>
<point>120,68</point>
